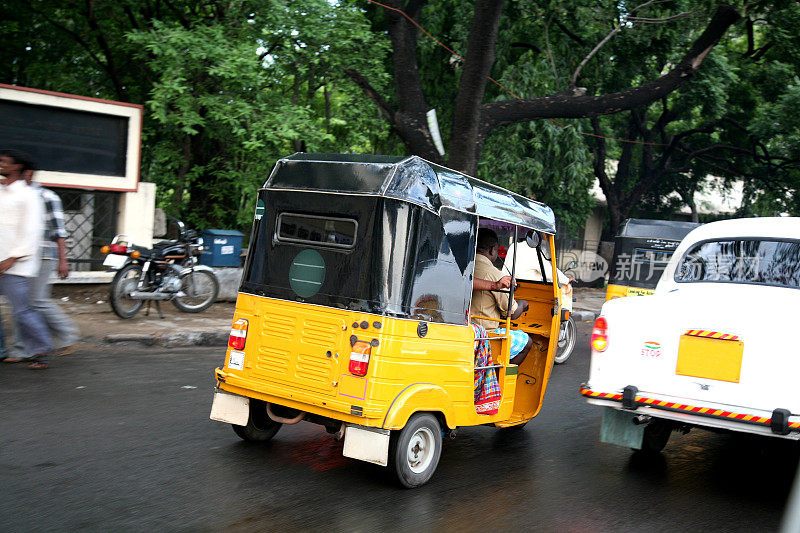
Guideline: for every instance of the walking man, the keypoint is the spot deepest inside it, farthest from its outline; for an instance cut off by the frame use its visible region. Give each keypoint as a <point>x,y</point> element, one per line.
<point>21,227</point>
<point>53,259</point>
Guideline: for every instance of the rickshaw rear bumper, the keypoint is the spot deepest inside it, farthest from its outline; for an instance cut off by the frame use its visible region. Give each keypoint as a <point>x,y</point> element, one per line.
<point>299,399</point>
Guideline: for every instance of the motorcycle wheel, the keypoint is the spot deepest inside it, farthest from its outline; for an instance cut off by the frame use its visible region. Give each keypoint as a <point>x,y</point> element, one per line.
<point>124,283</point>
<point>566,341</point>
<point>199,289</point>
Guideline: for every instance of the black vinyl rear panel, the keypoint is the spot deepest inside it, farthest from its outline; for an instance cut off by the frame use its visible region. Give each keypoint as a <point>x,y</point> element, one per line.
<point>406,261</point>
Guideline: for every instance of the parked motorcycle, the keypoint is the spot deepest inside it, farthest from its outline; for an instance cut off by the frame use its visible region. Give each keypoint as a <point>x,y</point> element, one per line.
<point>169,271</point>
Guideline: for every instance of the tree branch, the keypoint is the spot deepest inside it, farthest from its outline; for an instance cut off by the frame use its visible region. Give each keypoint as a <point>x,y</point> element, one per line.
<point>599,45</point>
<point>410,118</point>
<point>529,46</point>
<point>571,106</point>
<point>385,108</point>
<point>569,33</point>
<point>111,67</point>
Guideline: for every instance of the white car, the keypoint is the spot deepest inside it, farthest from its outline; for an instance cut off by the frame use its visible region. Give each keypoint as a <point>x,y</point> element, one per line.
<point>713,347</point>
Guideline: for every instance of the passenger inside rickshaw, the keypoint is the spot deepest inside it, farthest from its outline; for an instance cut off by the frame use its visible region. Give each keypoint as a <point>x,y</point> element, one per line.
<point>533,264</point>
<point>531,321</point>
<point>495,305</point>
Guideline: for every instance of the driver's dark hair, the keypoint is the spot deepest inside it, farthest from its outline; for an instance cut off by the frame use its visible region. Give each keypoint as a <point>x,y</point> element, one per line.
<point>486,239</point>
<point>20,158</point>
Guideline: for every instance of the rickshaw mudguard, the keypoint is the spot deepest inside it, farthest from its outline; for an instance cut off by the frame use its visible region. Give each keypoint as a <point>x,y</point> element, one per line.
<point>416,398</point>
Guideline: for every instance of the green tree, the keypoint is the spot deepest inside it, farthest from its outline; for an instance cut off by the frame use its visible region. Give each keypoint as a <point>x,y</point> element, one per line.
<point>473,118</point>
<point>228,87</point>
<point>711,127</point>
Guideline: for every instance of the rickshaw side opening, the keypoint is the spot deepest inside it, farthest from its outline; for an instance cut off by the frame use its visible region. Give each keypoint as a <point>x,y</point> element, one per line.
<point>355,303</point>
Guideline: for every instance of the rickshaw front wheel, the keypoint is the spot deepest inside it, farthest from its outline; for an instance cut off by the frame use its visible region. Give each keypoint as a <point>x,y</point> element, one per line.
<point>260,427</point>
<point>566,341</point>
<point>415,450</point>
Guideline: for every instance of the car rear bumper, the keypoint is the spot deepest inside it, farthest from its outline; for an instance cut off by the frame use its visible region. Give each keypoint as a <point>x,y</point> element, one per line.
<point>778,423</point>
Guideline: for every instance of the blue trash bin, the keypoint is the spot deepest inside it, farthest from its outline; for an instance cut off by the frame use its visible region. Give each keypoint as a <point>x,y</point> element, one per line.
<point>222,248</point>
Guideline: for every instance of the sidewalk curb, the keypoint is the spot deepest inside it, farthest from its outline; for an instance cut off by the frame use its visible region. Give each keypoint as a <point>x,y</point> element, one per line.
<point>584,316</point>
<point>173,340</point>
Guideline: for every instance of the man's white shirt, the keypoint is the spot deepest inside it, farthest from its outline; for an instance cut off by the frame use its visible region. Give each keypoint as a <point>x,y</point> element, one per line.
<point>21,227</point>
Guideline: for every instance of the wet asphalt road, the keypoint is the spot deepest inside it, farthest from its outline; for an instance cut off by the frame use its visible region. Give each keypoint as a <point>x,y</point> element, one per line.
<point>120,440</point>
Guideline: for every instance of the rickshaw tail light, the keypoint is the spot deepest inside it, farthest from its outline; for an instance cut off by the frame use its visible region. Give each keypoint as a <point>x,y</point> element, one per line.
<point>238,336</point>
<point>359,358</point>
<point>599,335</point>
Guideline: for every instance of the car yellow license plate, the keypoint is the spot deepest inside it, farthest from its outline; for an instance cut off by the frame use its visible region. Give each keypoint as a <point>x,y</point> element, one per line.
<point>704,357</point>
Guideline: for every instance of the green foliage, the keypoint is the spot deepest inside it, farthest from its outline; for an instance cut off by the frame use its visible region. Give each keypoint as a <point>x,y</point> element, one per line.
<point>546,160</point>
<point>228,87</point>
<point>243,92</point>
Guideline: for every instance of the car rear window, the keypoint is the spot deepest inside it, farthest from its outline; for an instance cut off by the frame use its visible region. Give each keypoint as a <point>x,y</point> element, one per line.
<point>759,261</point>
<point>313,229</point>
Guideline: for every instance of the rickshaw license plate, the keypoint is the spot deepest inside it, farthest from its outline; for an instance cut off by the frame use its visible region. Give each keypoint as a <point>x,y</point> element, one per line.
<point>704,357</point>
<point>115,260</point>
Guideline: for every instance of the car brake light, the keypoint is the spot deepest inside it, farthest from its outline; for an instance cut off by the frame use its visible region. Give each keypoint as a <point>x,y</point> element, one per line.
<point>600,335</point>
<point>118,249</point>
<point>359,358</point>
<point>238,336</point>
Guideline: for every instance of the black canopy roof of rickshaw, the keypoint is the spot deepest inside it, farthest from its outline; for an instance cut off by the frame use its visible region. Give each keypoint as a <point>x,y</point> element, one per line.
<point>656,229</point>
<point>411,179</point>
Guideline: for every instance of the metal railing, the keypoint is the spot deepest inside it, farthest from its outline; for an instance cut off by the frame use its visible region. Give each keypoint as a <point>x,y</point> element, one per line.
<point>90,218</point>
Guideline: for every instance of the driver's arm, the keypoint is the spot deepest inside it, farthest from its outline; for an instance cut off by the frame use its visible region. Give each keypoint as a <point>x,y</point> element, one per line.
<point>485,285</point>
<point>522,306</point>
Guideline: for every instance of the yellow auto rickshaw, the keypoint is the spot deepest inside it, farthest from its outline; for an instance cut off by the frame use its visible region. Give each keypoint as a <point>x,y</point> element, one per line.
<point>354,309</point>
<point>642,248</point>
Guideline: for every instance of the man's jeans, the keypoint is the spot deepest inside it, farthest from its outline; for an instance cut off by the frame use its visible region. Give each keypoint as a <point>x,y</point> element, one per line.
<point>3,352</point>
<point>64,332</point>
<point>31,327</point>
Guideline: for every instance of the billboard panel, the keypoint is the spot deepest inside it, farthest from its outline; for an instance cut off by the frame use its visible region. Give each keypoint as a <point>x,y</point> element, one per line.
<point>76,141</point>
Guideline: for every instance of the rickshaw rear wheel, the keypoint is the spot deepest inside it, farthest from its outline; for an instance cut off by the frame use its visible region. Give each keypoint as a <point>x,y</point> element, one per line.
<point>260,427</point>
<point>415,450</point>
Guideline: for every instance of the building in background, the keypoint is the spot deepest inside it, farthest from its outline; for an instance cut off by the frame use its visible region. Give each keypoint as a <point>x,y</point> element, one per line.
<point>592,254</point>
<point>88,152</point>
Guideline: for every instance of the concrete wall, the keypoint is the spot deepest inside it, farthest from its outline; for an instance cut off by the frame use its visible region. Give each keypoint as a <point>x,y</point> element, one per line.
<point>136,214</point>
<point>594,224</point>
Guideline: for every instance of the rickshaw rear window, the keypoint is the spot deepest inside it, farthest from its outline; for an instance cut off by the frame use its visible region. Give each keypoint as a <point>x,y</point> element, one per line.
<point>313,229</point>
<point>652,256</point>
<point>763,262</point>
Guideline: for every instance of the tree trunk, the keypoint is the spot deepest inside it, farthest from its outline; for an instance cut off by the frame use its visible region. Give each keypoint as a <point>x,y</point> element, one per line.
<point>466,140</point>
<point>410,120</point>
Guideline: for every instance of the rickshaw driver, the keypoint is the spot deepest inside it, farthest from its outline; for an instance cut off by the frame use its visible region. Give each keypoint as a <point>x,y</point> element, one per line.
<point>494,305</point>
